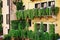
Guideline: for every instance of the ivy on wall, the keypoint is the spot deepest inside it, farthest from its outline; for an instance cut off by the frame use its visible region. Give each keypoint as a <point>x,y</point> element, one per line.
<point>33,35</point>
<point>36,13</point>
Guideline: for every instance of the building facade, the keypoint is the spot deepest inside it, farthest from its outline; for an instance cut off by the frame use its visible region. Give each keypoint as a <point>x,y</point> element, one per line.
<point>31,4</point>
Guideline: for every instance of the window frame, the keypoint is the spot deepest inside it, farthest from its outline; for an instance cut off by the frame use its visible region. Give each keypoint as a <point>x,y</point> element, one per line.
<point>47,24</point>
<point>50,3</point>
<point>43,4</point>
<point>37,5</point>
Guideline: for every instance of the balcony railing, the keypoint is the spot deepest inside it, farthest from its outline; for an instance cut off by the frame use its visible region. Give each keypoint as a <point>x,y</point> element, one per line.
<point>31,13</point>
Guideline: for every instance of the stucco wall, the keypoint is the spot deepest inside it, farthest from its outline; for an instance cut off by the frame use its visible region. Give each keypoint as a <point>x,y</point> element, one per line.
<point>58,17</point>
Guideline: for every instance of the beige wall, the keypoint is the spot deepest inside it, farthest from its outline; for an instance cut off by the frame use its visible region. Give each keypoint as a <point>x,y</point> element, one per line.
<point>58,17</point>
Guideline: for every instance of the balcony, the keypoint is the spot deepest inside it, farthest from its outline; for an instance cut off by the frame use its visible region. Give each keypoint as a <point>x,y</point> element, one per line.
<point>31,13</point>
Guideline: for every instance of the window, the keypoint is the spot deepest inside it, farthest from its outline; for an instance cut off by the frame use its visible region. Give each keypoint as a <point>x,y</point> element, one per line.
<point>38,26</point>
<point>37,5</point>
<point>23,7</point>
<point>45,27</point>
<point>8,1</point>
<point>44,5</point>
<point>7,18</point>
<point>51,3</point>
<point>29,21</point>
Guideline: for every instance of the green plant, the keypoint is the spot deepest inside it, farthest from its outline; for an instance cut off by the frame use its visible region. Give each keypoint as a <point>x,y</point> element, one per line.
<point>56,10</point>
<point>35,27</point>
<point>7,37</point>
<point>19,5</point>
<point>1,17</point>
<point>52,32</point>
<point>47,11</point>
<point>57,36</point>
<point>35,12</point>
<point>22,24</point>
<point>14,33</point>
<point>41,27</point>
<point>46,35</point>
<point>14,24</point>
<point>39,12</point>
<point>1,29</point>
<point>31,13</point>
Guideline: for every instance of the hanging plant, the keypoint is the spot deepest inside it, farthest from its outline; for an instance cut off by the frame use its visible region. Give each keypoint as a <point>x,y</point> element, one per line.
<point>51,32</point>
<point>36,12</point>
<point>31,15</point>
<point>28,14</point>
<point>50,11</point>
<point>56,10</point>
<point>41,27</point>
<point>47,11</point>
<point>39,12</point>
<point>52,28</point>
<point>25,13</point>
<point>44,11</point>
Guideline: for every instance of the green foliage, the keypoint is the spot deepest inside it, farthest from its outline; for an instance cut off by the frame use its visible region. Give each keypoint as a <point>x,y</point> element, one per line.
<point>14,24</point>
<point>52,29</point>
<point>46,36</point>
<point>57,36</point>
<point>19,5</point>
<point>52,32</point>
<point>56,10</point>
<point>7,37</point>
<point>22,24</point>
<point>1,17</point>
<point>31,13</point>
<point>19,24</point>
<point>41,27</point>
<point>1,29</point>
<point>35,27</point>
<point>24,32</point>
<point>14,33</point>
